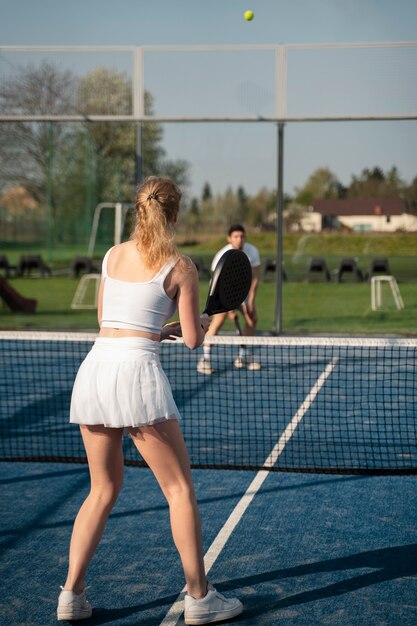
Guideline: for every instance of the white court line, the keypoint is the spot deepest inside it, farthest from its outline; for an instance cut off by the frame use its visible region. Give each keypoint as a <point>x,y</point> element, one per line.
<point>174,613</point>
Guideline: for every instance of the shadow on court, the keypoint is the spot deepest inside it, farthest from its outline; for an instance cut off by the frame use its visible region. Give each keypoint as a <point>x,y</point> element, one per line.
<point>105,616</point>
<point>286,560</point>
<point>37,522</point>
<point>390,564</point>
<point>31,524</point>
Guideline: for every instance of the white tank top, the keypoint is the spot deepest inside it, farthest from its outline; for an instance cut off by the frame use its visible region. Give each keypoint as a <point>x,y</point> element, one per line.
<point>137,306</point>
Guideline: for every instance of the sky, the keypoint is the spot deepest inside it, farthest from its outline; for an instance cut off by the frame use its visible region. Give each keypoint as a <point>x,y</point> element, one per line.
<point>237,154</point>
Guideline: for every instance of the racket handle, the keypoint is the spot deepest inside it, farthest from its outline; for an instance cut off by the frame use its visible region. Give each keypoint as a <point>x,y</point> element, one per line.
<point>237,325</point>
<point>204,316</point>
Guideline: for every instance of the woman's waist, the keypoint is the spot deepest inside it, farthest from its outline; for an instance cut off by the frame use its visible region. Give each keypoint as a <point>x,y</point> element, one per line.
<point>129,348</point>
<point>110,332</point>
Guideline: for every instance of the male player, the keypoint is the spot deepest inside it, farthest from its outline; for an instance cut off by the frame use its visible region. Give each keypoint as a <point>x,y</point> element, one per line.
<point>236,239</point>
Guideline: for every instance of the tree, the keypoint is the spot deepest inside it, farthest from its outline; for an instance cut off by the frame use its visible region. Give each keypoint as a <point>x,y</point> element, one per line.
<point>411,197</point>
<point>26,147</point>
<point>207,205</point>
<point>192,219</point>
<point>69,163</point>
<point>108,92</point>
<point>322,184</point>
<point>225,208</point>
<point>261,207</point>
<point>206,193</point>
<point>293,216</point>
<point>374,183</point>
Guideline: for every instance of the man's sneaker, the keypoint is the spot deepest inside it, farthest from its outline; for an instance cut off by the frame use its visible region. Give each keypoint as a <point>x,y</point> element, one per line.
<point>248,363</point>
<point>239,362</point>
<point>73,606</point>
<point>204,367</point>
<point>253,366</point>
<point>214,607</point>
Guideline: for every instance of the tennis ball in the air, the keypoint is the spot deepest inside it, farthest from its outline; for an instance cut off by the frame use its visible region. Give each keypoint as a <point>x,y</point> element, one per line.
<point>249,15</point>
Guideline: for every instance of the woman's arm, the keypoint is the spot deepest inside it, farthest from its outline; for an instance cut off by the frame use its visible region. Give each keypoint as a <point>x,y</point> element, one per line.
<point>100,303</point>
<point>193,326</point>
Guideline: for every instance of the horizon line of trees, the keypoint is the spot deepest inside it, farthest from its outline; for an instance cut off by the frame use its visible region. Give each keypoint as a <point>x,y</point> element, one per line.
<point>259,210</point>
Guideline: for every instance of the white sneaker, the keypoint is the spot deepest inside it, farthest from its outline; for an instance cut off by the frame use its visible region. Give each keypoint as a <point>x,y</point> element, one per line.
<point>248,363</point>
<point>239,362</point>
<point>72,606</point>
<point>204,367</point>
<point>214,607</point>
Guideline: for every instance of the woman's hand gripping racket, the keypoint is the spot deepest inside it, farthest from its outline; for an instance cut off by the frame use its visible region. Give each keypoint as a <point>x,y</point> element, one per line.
<point>230,283</point>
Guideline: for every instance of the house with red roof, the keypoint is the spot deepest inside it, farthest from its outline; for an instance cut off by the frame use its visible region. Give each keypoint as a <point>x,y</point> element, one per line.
<point>360,215</point>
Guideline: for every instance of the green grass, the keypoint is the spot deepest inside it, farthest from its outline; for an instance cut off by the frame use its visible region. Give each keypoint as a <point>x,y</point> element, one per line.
<point>295,244</point>
<point>54,297</point>
<point>346,309</point>
<point>321,244</point>
<point>400,249</point>
<point>307,307</point>
<point>60,255</point>
<point>327,308</point>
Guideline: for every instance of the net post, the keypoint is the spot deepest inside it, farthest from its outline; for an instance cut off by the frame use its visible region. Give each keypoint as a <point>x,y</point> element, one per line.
<point>281,81</point>
<point>279,226</point>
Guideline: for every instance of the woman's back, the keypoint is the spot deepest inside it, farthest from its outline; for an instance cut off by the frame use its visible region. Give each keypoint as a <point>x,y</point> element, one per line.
<point>136,297</point>
<point>124,263</point>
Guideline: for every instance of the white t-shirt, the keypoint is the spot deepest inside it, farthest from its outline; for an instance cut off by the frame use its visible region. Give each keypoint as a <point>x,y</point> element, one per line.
<point>250,251</point>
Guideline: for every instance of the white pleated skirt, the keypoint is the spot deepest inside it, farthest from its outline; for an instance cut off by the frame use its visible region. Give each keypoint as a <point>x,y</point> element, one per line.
<point>121,384</point>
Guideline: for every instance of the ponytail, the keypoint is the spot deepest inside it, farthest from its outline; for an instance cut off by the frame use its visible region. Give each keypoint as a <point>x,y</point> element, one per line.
<point>157,206</point>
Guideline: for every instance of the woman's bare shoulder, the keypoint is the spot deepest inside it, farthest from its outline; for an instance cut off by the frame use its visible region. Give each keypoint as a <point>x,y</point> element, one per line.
<point>121,249</point>
<point>187,262</point>
<point>126,245</point>
<point>185,270</point>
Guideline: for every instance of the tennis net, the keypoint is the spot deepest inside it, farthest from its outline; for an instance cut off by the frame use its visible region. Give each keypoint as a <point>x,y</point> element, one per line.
<point>328,405</point>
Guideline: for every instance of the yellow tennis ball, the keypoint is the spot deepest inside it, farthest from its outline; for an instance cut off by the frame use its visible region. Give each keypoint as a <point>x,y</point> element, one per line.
<point>249,15</point>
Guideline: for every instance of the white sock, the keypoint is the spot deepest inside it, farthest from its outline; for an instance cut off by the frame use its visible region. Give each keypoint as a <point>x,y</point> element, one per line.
<point>206,352</point>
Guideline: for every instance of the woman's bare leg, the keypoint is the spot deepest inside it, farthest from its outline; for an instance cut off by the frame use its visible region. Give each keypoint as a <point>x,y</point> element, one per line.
<point>162,447</point>
<point>105,460</point>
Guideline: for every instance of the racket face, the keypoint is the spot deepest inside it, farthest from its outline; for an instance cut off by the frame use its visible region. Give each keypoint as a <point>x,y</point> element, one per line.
<point>230,284</point>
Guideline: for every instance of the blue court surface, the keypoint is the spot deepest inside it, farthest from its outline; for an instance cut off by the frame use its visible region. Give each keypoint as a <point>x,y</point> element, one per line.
<point>297,548</point>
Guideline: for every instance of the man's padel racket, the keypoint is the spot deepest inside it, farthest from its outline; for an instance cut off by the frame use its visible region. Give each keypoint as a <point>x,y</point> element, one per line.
<point>230,283</point>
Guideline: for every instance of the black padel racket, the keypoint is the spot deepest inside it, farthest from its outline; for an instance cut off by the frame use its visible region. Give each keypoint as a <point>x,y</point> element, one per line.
<point>230,283</point>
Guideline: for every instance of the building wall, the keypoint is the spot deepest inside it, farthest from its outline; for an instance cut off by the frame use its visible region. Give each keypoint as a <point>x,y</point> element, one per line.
<point>380,223</point>
<point>312,222</point>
